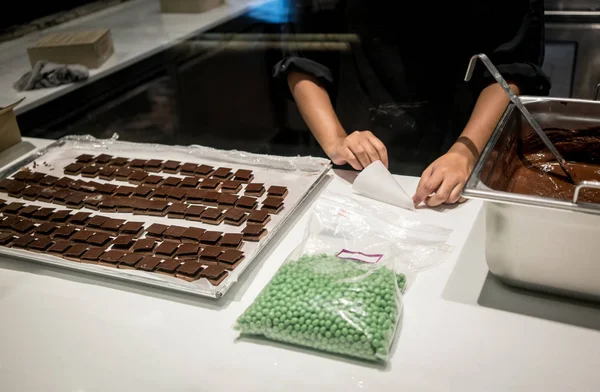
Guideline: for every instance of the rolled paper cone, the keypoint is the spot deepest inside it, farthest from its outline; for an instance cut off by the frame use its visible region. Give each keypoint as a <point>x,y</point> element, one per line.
<point>377,183</point>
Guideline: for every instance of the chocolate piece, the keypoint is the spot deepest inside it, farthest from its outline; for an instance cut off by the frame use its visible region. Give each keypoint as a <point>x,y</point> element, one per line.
<point>133,228</point>
<point>211,252</point>
<point>254,232</point>
<point>124,241</point>
<point>167,248</point>
<point>231,186</point>
<point>234,216</point>
<point>273,204</point>
<point>247,203</point>
<point>212,216</point>
<point>112,224</point>
<point>75,251</point>
<point>278,191</point>
<point>210,184</point>
<point>23,226</point>
<point>153,165</point>
<point>82,235</point>
<point>112,256</point>
<point>99,239</point>
<point>194,212</point>
<point>204,171</point>
<point>176,210</point>
<point>75,200</point>
<point>13,208</point>
<point>137,163</point>
<point>22,241</point>
<point>244,175</point>
<point>142,191</point>
<point>85,158</point>
<point>65,231</point>
<point>48,180</point>
<point>108,173</point>
<point>129,260</point>
<point>260,217</point>
<point>59,196</point>
<point>188,168</point>
<point>108,204</point>
<point>168,266</point>
<point>174,232</point>
<point>28,211</point>
<point>124,191</point>
<point>43,213</point>
<point>231,240</point>
<point>90,171</point>
<point>93,202</point>
<point>92,255</point>
<point>213,272</point>
<point>45,228</point>
<point>172,181</point>
<point>97,221</point>
<point>188,251</point>
<point>230,256</point>
<point>8,221</point>
<point>152,180</point>
<point>211,198</point>
<point>41,244</point>
<point>189,182</point>
<point>22,174</point>
<point>148,263</point>
<point>192,234</point>
<point>123,173</point>
<point>195,195</point>
<point>171,167</point>
<point>108,189</point>
<point>34,178</point>
<point>137,176</point>
<point>255,189</point>
<point>79,185</point>
<point>210,237</point>
<point>157,207</point>
<point>63,182</point>
<point>119,161</point>
<point>15,188</point>
<point>60,246</point>
<point>156,230</point>
<point>227,200</point>
<point>31,192</point>
<point>144,245</point>
<point>222,173</point>
<point>73,168</point>
<point>60,216</point>
<point>79,218</point>
<point>103,158</point>
<point>189,270</point>
<point>6,238</point>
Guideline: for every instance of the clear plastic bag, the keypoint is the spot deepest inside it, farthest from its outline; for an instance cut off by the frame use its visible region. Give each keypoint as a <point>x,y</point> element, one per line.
<point>340,290</point>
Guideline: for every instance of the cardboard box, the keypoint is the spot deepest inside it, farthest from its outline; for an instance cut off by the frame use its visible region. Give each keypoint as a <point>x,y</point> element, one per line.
<point>90,48</point>
<point>189,6</point>
<point>10,134</point>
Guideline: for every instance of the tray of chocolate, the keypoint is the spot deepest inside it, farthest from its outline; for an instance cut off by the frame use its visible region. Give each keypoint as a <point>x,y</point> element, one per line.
<point>191,220</point>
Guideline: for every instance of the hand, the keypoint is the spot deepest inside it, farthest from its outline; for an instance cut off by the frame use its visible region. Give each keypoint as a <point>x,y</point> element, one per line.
<point>359,149</point>
<point>444,180</point>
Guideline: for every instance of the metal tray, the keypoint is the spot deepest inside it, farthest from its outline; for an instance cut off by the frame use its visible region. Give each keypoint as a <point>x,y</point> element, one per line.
<point>536,242</point>
<point>301,175</point>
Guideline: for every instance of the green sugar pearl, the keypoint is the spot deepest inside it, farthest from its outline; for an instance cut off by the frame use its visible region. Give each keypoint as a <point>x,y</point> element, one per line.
<point>330,304</point>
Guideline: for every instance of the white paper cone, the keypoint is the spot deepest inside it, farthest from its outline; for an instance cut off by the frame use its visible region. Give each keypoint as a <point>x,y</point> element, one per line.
<point>376,182</point>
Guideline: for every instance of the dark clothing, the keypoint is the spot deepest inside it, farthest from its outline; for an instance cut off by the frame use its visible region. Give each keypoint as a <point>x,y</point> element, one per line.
<point>404,79</point>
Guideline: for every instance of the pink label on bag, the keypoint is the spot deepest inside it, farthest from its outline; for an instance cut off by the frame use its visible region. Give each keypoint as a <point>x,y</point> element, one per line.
<point>359,256</point>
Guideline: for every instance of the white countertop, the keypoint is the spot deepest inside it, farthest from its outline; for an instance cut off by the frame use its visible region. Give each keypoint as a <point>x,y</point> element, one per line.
<point>66,332</point>
<point>138,30</point>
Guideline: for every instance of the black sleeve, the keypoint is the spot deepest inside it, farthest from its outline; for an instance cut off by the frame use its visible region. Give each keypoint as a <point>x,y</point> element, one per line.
<point>520,59</point>
<point>323,65</point>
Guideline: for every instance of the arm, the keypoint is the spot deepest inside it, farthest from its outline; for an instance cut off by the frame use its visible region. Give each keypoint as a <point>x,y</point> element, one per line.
<point>358,149</point>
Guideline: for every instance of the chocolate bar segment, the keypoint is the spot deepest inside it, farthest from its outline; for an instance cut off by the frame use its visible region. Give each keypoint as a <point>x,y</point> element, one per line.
<point>210,184</point>
<point>148,263</point>
<point>119,161</point>
<point>123,173</point>
<point>168,266</point>
<point>172,181</point>
<point>211,252</point>
<point>189,270</point>
<point>194,212</point>
<point>260,217</point>
<point>192,234</point>
<point>92,255</point>
<point>73,168</point>
<point>60,246</point>
<point>231,186</point>
<point>278,191</point>
<point>212,216</point>
<point>156,230</point>
<point>103,158</point>
<point>189,182</point>
<point>167,248</point>
<point>247,203</point>
<point>129,260</point>
<point>273,204</point>
<point>99,239</point>
<point>82,235</point>
<point>133,228</point>
<point>204,171</point>
<point>137,163</point>
<point>188,251</point>
<point>210,237</point>
<point>231,240</point>
<point>188,168</point>
<point>153,165</point>
<point>235,216</point>
<point>176,210</point>
<point>222,173</point>
<point>171,167</point>
<point>254,232</point>
<point>244,175</point>
<point>144,245</point>
<point>123,241</point>
<point>227,200</point>
<point>85,158</point>
<point>75,251</point>
<point>174,233</point>
<point>255,189</point>
<point>41,244</point>
<point>111,257</point>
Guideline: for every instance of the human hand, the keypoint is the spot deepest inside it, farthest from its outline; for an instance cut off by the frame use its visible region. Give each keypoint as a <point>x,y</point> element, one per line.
<point>359,149</point>
<point>444,180</point>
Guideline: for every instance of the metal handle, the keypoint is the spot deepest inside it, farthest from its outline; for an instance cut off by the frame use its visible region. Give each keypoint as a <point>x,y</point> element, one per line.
<point>582,185</point>
<point>517,102</point>
<point>597,95</point>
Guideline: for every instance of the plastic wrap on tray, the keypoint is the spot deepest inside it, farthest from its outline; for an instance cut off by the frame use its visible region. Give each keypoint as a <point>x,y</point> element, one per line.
<point>340,291</point>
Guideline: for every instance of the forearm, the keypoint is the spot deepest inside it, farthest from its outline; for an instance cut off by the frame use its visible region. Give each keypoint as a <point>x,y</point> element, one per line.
<point>488,110</point>
<point>316,109</point>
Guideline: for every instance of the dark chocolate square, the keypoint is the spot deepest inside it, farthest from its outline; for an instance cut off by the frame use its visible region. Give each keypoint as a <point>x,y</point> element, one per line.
<point>157,207</point>
<point>193,234</point>
<point>107,173</point>
<point>211,197</point>
<point>131,228</point>
<point>90,171</point>
<point>253,232</point>
<point>137,176</point>
<point>223,173</point>
<point>93,201</point>
<point>148,263</point>
<point>85,158</point>
<point>188,168</point>
<point>171,166</point>
<point>211,237</point>
<point>247,202</point>
<point>112,224</point>
<point>144,245</point>
<point>43,213</point>
<point>22,241</point>
<point>63,182</point>
<point>188,250</point>
<point>153,165</point>
<point>231,186</point>
<point>137,163</point>
<point>60,216</point>
<point>103,158</point>
<point>130,260</point>
<point>23,226</point>
<point>123,173</point>
<point>60,246</point>
<point>210,184</point>
<point>176,210</point>
<point>35,178</point>
<point>142,191</point>
<point>75,251</point>
<point>80,218</point>
<point>112,256</point>
<point>152,179</point>
<point>235,216</point>
<point>279,191</point>
<point>124,241</point>
<point>31,192</point>
<point>15,188</point>
<point>75,200</point>
<point>174,232</point>
<point>195,195</point>
<point>230,256</point>
<point>22,174</point>
<point>231,240</point>
<point>124,190</point>
<point>243,175</point>
<point>119,161</point>
<point>204,170</point>
<point>167,248</point>
<point>272,204</point>
<point>211,252</point>
<point>259,217</point>
<point>160,193</point>
<point>48,180</point>
<point>65,231</point>
<point>28,211</point>
<point>213,271</point>
<point>211,214</point>
<point>156,230</point>
<point>92,254</point>
<point>99,239</point>
<point>60,195</point>
<point>13,208</point>
<point>82,236</point>
<point>189,182</point>
<point>168,266</point>
<point>194,211</point>
<point>227,200</point>
<point>189,268</point>
<point>172,181</point>
<point>96,221</point>
<point>8,221</point>
<point>255,189</point>
<point>45,228</point>
<point>6,238</point>
<point>41,244</point>
<point>73,168</point>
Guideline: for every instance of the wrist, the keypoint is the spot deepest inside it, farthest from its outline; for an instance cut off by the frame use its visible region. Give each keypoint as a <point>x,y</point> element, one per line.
<point>465,150</point>
<point>332,143</point>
